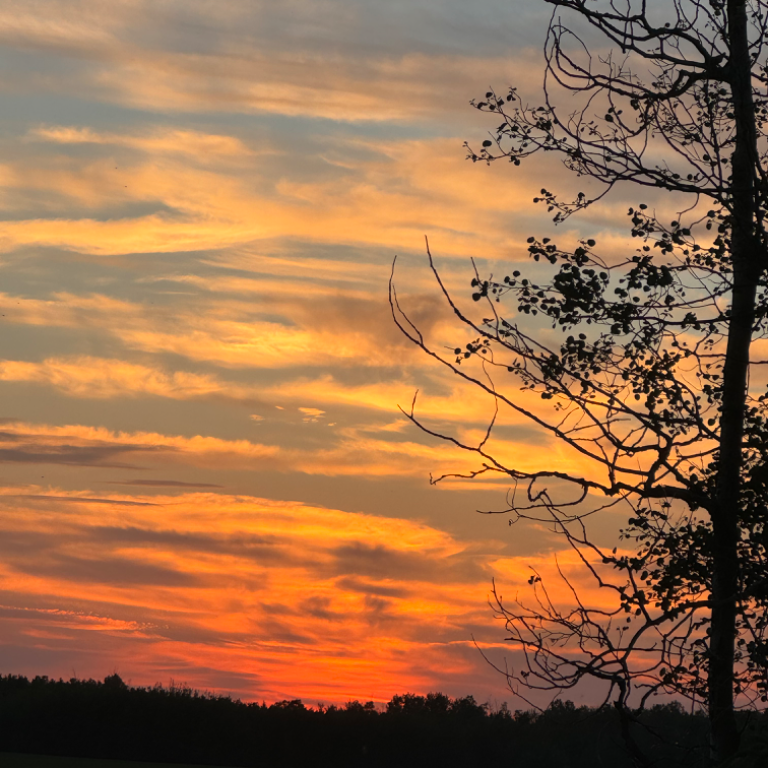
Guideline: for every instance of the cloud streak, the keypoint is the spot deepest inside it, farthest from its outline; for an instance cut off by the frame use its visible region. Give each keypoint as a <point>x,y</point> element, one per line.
<point>347,591</point>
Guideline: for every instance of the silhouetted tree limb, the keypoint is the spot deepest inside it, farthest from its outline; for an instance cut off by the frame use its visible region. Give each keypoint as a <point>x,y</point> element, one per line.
<point>645,371</point>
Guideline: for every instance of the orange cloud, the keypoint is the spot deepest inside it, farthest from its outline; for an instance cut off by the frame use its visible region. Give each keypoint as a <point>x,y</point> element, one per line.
<point>101,378</point>
<point>342,330</point>
<point>204,147</point>
<point>246,76</point>
<point>368,603</point>
<point>392,194</point>
<point>456,409</point>
<point>352,453</point>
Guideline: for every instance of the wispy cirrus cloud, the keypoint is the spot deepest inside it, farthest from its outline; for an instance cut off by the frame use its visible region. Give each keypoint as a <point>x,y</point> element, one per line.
<point>91,377</point>
<point>373,451</point>
<point>218,573</point>
<point>232,64</point>
<point>373,192</point>
<point>204,147</point>
<point>331,330</point>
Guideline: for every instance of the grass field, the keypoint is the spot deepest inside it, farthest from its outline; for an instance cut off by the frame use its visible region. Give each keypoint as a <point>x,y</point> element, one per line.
<point>12,760</point>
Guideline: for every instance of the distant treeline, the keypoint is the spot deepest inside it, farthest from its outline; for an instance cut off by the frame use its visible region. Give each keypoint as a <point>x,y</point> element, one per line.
<point>88,718</point>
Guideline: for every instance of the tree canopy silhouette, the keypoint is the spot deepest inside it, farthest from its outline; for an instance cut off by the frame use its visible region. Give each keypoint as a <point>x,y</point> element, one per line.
<point>649,369</point>
<point>177,724</point>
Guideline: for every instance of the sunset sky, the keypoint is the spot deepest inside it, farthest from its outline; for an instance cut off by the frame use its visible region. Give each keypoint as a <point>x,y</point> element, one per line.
<point>205,475</point>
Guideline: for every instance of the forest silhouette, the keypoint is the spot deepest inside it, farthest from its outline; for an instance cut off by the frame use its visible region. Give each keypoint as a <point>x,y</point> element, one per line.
<point>177,724</point>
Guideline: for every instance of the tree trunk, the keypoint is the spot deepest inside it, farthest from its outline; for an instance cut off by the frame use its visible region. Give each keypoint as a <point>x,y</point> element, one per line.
<point>746,260</point>
<point>725,570</point>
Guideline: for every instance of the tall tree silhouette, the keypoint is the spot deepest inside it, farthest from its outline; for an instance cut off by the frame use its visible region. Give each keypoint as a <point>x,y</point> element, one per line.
<point>649,376</point>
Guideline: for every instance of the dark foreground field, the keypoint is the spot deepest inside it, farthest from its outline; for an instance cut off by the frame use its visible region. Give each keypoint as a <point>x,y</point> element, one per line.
<point>85,723</point>
<point>16,760</point>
